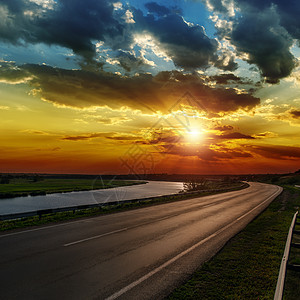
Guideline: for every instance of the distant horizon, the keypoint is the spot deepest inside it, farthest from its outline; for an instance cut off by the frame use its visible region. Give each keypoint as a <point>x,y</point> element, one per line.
<point>150,174</point>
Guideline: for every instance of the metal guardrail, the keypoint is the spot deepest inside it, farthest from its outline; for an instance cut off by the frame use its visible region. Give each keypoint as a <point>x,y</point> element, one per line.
<point>98,205</point>
<point>70,208</point>
<point>284,262</point>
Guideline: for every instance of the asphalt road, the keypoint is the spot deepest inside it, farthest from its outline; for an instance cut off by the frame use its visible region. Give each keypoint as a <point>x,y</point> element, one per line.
<point>138,254</point>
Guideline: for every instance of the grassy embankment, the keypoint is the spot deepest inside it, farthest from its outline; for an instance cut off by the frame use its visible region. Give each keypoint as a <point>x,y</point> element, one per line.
<point>199,190</point>
<point>247,267</point>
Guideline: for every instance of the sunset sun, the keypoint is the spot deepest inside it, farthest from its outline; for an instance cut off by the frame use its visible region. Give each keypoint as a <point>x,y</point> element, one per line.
<point>194,135</point>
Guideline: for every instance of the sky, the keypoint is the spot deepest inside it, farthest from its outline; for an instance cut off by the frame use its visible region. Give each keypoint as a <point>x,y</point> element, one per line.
<point>135,87</point>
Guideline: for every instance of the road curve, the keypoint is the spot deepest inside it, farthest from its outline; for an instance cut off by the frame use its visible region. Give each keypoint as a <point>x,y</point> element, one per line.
<point>138,254</point>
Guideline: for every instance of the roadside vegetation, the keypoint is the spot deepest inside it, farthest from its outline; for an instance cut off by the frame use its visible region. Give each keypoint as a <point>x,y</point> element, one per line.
<point>248,266</point>
<point>201,184</point>
<point>208,189</point>
<point>18,186</point>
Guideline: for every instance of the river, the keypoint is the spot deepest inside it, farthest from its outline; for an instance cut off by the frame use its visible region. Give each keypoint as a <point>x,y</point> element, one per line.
<point>59,200</point>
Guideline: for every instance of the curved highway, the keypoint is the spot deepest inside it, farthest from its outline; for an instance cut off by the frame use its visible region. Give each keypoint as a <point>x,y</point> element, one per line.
<point>138,254</point>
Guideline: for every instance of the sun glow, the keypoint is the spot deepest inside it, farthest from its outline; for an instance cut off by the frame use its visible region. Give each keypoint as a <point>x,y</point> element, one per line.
<point>194,135</point>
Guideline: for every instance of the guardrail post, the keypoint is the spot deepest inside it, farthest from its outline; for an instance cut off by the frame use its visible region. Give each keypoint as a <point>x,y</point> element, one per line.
<point>282,272</point>
<point>294,267</point>
<point>296,245</point>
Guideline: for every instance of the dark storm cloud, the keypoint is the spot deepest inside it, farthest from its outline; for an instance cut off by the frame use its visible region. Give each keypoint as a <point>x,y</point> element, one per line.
<point>266,42</point>
<point>96,135</point>
<point>165,137</point>
<point>217,99</point>
<point>222,152</point>
<point>73,24</point>
<point>129,61</point>
<point>157,9</point>
<point>83,137</point>
<point>77,24</point>
<point>14,25</point>
<point>295,114</point>
<point>81,89</point>
<point>234,136</point>
<point>10,73</point>
<point>288,11</point>
<point>276,151</point>
<point>223,128</point>
<point>213,100</point>
<point>229,79</point>
<point>226,63</point>
<point>217,152</point>
<point>186,43</point>
<point>265,31</point>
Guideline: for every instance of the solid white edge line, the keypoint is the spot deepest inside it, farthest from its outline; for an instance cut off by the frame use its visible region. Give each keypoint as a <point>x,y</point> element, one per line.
<point>145,277</point>
<point>249,212</point>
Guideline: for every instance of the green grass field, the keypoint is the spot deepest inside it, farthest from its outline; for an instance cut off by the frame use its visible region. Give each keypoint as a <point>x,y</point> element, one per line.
<point>26,186</point>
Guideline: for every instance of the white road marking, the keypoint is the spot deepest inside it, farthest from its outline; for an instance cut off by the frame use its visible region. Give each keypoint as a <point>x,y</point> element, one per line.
<point>145,277</point>
<point>41,228</point>
<point>116,231</point>
<point>95,237</point>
